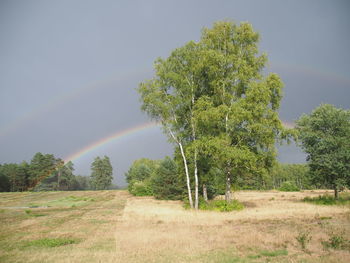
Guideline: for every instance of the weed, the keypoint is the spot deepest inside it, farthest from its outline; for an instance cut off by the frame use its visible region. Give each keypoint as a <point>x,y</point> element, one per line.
<point>303,238</point>
<point>30,213</point>
<point>336,241</point>
<point>274,253</point>
<point>325,217</point>
<point>221,205</point>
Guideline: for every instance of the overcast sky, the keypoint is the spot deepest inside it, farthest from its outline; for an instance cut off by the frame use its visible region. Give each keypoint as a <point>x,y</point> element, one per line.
<point>69,69</point>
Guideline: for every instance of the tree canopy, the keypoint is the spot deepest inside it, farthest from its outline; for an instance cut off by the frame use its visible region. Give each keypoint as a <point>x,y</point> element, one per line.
<point>325,137</point>
<point>213,100</point>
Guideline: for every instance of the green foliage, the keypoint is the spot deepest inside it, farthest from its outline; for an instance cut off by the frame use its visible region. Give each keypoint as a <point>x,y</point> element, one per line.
<point>325,137</point>
<point>141,188</point>
<point>336,241</point>
<point>303,239</point>
<point>101,173</point>
<point>50,242</point>
<point>165,181</point>
<point>274,253</point>
<point>216,104</point>
<point>218,205</point>
<point>289,187</point>
<point>329,200</point>
<point>139,174</point>
<point>296,174</point>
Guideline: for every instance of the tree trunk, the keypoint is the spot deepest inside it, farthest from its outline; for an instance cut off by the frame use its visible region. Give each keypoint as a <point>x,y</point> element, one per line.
<point>196,180</point>
<point>336,196</point>
<point>228,196</point>
<point>187,175</point>
<point>205,193</point>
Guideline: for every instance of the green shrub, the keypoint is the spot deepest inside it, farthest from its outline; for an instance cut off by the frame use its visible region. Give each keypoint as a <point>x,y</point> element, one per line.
<point>303,238</point>
<point>336,241</point>
<point>141,188</point>
<point>289,187</point>
<point>218,205</point>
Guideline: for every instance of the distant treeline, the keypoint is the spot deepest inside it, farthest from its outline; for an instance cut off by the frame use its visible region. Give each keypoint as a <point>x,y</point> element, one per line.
<point>45,172</point>
<point>164,179</point>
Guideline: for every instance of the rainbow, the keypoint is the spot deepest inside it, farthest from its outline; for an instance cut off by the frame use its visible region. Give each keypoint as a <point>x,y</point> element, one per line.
<point>111,138</point>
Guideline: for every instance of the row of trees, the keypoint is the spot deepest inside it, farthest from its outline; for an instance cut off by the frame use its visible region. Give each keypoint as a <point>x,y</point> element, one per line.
<point>163,180</point>
<point>220,110</point>
<point>45,172</point>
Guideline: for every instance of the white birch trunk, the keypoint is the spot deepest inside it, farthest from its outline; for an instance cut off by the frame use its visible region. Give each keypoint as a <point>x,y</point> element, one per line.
<point>187,175</point>
<point>196,180</point>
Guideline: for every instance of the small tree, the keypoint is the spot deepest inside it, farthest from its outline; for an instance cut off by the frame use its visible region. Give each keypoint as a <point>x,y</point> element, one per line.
<point>325,137</point>
<point>166,183</point>
<point>101,173</point>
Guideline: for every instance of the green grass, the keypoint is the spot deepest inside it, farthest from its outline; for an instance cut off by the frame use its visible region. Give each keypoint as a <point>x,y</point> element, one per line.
<point>274,253</point>
<point>218,205</point>
<point>50,242</point>
<point>343,199</point>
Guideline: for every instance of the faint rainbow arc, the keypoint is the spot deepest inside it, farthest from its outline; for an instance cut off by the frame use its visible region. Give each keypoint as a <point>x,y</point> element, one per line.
<point>118,135</point>
<point>60,99</point>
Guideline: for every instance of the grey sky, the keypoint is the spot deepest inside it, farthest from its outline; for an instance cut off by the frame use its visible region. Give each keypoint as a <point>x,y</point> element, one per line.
<point>69,69</point>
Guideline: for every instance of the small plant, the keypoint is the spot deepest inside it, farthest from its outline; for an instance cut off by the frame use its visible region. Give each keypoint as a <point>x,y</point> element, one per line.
<point>274,253</point>
<point>218,205</point>
<point>30,213</point>
<point>336,241</point>
<point>303,238</point>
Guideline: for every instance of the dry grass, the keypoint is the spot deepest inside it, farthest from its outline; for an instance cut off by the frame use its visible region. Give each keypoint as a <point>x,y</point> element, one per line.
<point>117,227</point>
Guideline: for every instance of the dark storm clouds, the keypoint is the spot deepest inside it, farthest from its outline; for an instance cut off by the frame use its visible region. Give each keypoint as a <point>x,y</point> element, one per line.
<point>101,50</point>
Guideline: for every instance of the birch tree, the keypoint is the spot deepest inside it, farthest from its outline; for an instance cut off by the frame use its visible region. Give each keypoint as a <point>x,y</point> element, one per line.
<point>212,99</point>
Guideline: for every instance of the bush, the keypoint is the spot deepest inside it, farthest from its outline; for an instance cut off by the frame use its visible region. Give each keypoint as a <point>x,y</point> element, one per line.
<point>336,241</point>
<point>141,188</point>
<point>219,205</point>
<point>289,187</point>
<point>165,181</point>
<point>303,238</point>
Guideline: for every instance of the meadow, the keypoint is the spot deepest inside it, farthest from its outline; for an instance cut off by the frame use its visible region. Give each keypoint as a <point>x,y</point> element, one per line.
<point>113,226</point>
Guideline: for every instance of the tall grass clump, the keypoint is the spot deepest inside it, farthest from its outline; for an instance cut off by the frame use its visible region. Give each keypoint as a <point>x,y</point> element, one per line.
<point>218,205</point>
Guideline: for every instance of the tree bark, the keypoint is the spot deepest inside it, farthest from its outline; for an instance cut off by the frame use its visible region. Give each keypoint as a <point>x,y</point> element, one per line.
<point>187,175</point>
<point>196,200</point>
<point>336,195</point>
<point>205,193</point>
<point>228,195</point>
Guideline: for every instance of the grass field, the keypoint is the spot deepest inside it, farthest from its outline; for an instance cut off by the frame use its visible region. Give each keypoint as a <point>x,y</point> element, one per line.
<point>112,226</point>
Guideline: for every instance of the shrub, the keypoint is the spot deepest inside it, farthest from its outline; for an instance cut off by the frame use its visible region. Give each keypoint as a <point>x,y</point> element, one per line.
<point>289,187</point>
<point>141,188</point>
<point>303,238</point>
<point>336,241</point>
<point>219,205</point>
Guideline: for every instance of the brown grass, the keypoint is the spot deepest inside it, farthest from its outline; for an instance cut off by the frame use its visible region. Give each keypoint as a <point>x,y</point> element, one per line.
<point>117,227</point>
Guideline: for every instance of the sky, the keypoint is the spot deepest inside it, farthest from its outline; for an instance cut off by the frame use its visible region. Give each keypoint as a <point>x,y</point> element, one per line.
<point>69,69</point>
